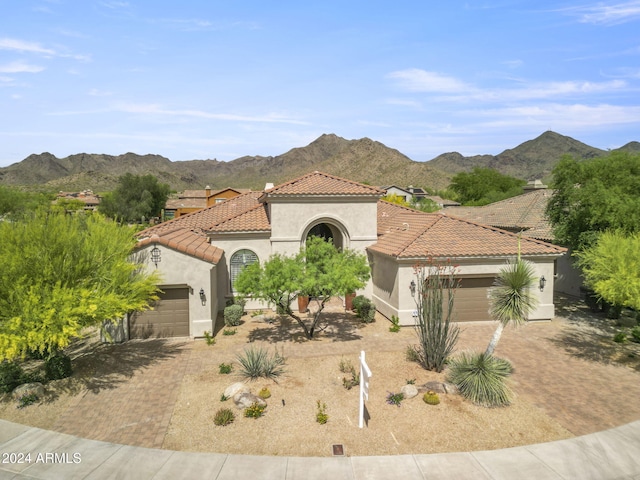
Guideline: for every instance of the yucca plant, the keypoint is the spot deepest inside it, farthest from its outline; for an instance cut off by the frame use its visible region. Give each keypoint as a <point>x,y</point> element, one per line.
<point>481,378</point>
<point>511,298</point>
<point>256,362</point>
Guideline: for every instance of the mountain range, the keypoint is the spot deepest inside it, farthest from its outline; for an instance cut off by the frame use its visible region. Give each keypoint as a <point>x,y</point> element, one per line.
<point>363,160</point>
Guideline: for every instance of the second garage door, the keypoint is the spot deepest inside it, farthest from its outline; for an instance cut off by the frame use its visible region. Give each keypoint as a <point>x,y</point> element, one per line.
<point>472,299</point>
<point>169,317</point>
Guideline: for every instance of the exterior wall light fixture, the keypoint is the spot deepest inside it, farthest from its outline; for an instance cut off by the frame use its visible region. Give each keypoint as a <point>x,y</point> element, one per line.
<point>543,282</point>
<point>156,256</point>
<point>203,297</point>
<point>412,288</point>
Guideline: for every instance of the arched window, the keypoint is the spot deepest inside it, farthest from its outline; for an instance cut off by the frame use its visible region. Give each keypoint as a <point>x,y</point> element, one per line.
<point>239,260</point>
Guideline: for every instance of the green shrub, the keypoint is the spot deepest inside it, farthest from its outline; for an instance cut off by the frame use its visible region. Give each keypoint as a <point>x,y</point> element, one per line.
<point>395,324</point>
<point>229,331</point>
<point>223,417</point>
<point>225,368</point>
<point>58,367</point>
<point>365,309</point>
<point>431,398</point>
<point>620,337</point>
<point>11,375</point>
<point>481,378</point>
<point>232,315</point>
<point>358,301</point>
<point>395,398</point>
<point>635,334</point>
<point>411,381</point>
<point>354,378</point>
<point>255,410</point>
<point>256,362</point>
<point>321,414</point>
<point>27,399</point>
<point>264,393</point>
<point>210,339</point>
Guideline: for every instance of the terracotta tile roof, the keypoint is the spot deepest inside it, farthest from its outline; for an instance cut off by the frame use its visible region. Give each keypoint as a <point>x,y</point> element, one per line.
<point>408,233</point>
<point>175,203</point>
<point>318,183</point>
<point>186,241</point>
<point>523,212</point>
<point>207,218</point>
<point>253,220</point>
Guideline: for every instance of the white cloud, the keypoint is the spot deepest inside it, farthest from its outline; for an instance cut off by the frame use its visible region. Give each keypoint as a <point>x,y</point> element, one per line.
<point>454,90</point>
<point>603,14</point>
<point>22,46</point>
<point>94,92</point>
<point>560,116</point>
<point>418,80</point>
<point>20,67</point>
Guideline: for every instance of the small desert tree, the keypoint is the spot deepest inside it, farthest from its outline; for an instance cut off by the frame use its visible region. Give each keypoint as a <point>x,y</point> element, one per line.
<point>61,273</point>
<point>435,295</point>
<point>511,299</point>
<point>318,270</point>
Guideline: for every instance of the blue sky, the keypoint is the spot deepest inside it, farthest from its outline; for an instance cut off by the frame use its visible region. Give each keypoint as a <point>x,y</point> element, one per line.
<point>213,79</point>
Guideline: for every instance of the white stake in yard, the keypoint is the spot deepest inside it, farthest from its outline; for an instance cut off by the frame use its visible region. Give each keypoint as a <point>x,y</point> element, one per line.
<point>365,375</point>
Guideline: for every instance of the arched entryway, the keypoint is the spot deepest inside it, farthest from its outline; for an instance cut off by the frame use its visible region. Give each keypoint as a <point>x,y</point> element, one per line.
<point>330,231</point>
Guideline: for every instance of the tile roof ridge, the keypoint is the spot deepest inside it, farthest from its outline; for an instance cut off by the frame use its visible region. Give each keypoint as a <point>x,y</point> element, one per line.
<point>409,209</point>
<point>328,175</point>
<point>420,230</point>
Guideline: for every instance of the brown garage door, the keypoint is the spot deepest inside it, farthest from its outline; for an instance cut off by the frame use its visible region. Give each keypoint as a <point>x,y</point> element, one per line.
<point>169,317</point>
<point>472,302</point>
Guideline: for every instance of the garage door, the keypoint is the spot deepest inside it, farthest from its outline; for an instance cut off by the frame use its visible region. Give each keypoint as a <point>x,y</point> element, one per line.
<point>472,302</point>
<point>169,317</point>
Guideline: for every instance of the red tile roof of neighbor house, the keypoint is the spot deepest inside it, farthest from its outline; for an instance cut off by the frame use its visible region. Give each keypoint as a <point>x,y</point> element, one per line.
<point>524,212</point>
<point>407,233</point>
<point>318,183</point>
<point>402,232</point>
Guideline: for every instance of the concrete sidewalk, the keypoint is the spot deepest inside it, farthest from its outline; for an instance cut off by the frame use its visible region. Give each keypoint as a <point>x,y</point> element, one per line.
<point>32,453</point>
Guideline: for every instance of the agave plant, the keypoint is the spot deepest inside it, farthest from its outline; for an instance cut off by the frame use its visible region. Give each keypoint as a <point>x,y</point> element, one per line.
<point>481,378</point>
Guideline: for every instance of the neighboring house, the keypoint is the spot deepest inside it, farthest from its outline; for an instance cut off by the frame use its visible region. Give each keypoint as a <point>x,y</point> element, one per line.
<point>400,192</point>
<point>90,199</point>
<point>191,201</point>
<point>418,193</point>
<point>525,214</point>
<point>200,254</point>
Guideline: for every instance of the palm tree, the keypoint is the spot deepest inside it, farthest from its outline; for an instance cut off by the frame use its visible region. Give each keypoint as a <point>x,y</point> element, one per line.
<point>511,298</point>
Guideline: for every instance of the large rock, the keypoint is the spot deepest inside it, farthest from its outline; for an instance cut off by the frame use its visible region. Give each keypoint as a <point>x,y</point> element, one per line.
<point>246,399</point>
<point>409,391</point>
<point>27,389</point>
<point>236,388</point>
<point>437,387</point>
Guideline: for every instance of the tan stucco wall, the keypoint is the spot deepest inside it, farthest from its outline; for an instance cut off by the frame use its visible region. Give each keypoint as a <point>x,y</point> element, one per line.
<point>393,296</point>
<point>177,268</point>
<point>258,243</point>
<point>291,221</point>
<point>568,277</point>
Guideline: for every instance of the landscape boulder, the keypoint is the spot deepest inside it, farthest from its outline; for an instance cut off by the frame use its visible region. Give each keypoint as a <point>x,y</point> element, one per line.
<point>233,390</point>
<point>409,391</point>
<point>27,389</point>
<point>246,399</point>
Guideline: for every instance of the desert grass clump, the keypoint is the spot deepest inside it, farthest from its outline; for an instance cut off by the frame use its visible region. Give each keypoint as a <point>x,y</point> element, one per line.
<point>224,417</point>
<point>481,378</point>
<point>255,362</point>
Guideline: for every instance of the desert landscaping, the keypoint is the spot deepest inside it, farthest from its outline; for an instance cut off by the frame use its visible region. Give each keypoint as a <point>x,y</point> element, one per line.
<point>559,368</point>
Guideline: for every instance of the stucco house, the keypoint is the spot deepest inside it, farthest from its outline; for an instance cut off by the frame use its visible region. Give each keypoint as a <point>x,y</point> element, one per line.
<point>200,254</point>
